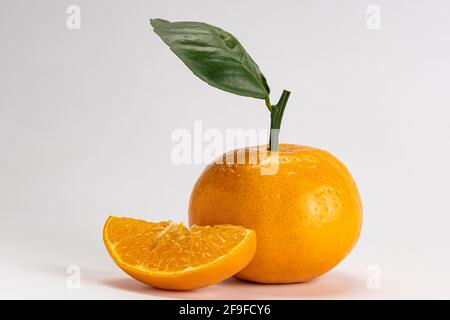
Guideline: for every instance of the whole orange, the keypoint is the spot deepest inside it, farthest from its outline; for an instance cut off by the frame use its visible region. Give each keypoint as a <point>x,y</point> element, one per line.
<point>307,213</point>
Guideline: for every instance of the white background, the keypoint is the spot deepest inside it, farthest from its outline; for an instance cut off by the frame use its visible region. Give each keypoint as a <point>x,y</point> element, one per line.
<point>86,118</point>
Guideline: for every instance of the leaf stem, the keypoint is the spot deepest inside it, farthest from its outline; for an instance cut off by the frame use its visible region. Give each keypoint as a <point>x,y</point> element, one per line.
<point>276,116</point>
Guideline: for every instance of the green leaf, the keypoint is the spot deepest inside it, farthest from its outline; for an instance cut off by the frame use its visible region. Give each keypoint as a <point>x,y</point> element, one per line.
<point>215,56</point>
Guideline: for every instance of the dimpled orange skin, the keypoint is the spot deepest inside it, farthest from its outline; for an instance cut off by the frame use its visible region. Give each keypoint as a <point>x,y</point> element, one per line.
<point>307,216</point>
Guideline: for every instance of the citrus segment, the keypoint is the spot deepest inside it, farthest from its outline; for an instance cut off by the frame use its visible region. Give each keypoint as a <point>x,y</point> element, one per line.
<point>170,256</point>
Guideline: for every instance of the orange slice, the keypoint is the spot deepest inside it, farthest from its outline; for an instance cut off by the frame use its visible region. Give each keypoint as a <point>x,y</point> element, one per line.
<point>168,255</point>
